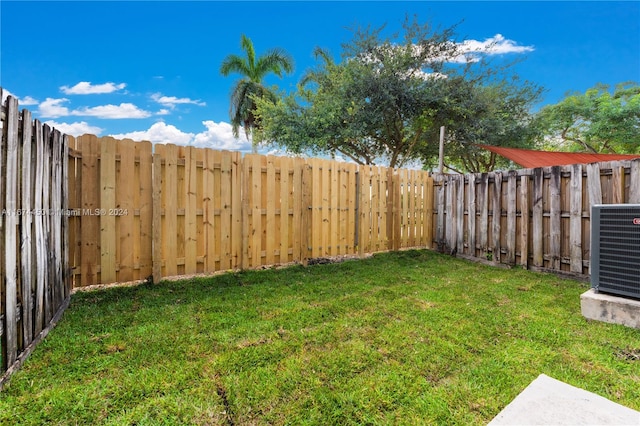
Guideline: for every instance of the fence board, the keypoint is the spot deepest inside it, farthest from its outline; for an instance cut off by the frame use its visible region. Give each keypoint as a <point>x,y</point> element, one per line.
<point>364,245</point>
<point>496,217</point>
<point>484,213</point>
<point>352,198</point>
<point>325,215</point>
<point>64,266</point>
<point>471,202</point>
<point>46,221</point>
<point>272,221</point>
<point>524,220</point>
<point>90,202</point>
<point>575,222</point>
<point>593,184</point>
<point>512,182</point>
<point>55,218</point>
<point>107,203</point>
<point>126,245</point>
<point>306,208</point>
<point>285,214</point>
<point>219,162</point>
<point>170,236</point>
<point>344,210</point>
<point>459,245</point>
<point>145,203</point>
<point>255,241</point>
<point>555,212</point>
<point>617,183</point>
<point>187,188</point>
<point>12,171</point>
<point>299,222</point>
<point>634,182</point>
<point>26,226</point>
<point>209,204</point>
<point>235,181</point>
<point>450,215</point>
<point>428,211</point>
<point>537,229</point>
<point>246,205</point>
<point>41,249</point>
<point>157,225</point>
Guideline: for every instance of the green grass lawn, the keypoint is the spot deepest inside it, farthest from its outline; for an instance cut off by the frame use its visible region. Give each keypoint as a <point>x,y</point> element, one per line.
<point>412,337</point>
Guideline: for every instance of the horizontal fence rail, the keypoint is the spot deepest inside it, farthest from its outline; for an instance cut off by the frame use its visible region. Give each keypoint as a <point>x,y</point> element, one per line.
<point>138,211</point>
<point>34,284</point>
<point>537,218</point>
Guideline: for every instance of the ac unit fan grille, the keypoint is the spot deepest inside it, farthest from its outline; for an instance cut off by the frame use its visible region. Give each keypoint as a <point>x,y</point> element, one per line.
<point>616,249</point>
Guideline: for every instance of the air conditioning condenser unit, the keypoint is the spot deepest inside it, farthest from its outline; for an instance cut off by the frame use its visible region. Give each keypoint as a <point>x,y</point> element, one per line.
<point>615,249</point>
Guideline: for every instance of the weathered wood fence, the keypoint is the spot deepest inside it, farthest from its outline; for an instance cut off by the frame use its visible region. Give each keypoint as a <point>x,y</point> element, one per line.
<point>536,218</point>
<point>183,210</point>
<point>34,285</point>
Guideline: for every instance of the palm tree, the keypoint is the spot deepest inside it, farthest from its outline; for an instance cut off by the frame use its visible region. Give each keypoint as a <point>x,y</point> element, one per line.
<point>250,86</point>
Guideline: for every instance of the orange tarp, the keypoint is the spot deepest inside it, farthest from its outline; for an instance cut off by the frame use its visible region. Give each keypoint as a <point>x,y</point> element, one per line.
<point>531,159</point>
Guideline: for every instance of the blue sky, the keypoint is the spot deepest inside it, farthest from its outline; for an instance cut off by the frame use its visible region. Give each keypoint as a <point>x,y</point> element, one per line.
<point>150,70</point>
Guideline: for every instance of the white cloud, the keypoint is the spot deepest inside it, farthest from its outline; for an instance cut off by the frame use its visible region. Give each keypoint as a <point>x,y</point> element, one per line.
<point>86,88</point>
<point>159,132</point>
<point>220,136</point>
<point>496,45</point>
<point>172,101</point>
<point>6,94</point>
<point>27,100</point>
<point>53,108</point>
<point>216,136</point>
<point>124,110</point>
<point>163,111</point>
<point>75,129</point>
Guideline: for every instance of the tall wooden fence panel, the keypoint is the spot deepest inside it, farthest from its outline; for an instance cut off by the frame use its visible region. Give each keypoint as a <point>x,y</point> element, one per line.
<point>34,285</point>
<point>535,218</point>
<point>182,210</point>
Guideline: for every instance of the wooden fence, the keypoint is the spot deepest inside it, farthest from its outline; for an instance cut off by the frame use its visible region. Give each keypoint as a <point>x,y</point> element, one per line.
<point>536,218</point>
<point>183,210</point>
<point>84,211</point>
<point>34,284</point>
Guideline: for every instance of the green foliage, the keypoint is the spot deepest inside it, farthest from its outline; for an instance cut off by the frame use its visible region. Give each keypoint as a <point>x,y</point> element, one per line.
<point>492,114</point>
<point>412,337</point>
<point>250,87</point>
<point>387,98</point>
<point>598,121</point>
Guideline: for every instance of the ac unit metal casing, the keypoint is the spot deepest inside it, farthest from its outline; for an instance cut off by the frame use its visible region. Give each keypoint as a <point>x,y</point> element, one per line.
<point>615,249</point>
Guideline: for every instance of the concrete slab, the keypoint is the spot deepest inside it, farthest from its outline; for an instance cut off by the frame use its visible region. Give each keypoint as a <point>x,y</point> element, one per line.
<point>611,309</point>
<point>547,401</point>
